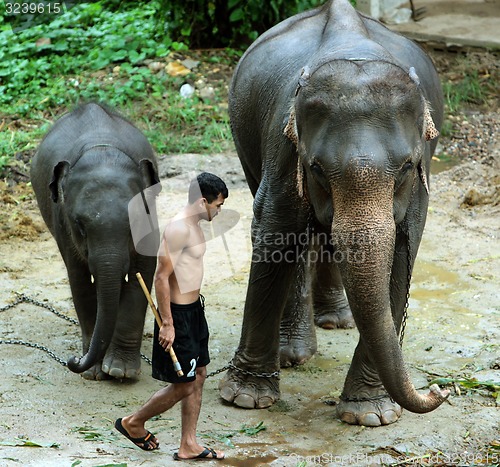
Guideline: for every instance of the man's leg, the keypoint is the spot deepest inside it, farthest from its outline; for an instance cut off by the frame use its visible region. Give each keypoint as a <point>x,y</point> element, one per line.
<point>160,402</point>
<point>191,406</point>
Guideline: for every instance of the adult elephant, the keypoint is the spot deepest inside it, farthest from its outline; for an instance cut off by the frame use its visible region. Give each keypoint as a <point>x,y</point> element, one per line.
<point>331,116</point>
<point>87,169</point>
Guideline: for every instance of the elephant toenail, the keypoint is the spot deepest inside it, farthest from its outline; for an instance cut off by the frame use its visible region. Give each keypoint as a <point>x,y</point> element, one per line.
<point>370,419</point>
<point>265,402</point>
<point>349,417</point>
<point>227,393</point>
<point>245,401</point>
<point>389,416</point>
<point>115,373</point>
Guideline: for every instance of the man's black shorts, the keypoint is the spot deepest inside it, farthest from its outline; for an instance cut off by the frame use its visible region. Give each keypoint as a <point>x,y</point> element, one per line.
<point>190,344</point>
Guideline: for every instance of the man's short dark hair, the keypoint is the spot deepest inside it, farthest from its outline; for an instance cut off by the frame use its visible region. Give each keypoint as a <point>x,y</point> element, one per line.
<point>210,187</point>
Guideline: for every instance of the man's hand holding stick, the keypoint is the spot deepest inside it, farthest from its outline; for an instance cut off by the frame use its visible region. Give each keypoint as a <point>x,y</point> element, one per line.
<point>177,365</point>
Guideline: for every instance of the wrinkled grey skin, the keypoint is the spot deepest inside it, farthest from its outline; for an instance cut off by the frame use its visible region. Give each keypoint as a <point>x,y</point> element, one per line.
<point>85,172</point>
<point>331,123</point>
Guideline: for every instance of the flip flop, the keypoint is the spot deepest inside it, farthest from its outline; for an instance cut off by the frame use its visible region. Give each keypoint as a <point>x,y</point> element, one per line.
<point>144,443</point>
<point>203,456</point>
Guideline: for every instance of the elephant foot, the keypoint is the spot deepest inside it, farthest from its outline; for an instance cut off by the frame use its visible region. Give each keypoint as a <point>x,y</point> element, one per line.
<point>341,318</point>
<point>369,412</point>
<point>122,364</point>
<point>249,392</point>
<point>95,373</point>
<point>296,353</point>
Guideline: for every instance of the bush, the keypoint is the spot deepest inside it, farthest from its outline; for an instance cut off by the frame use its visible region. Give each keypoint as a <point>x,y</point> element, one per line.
<point>223,23</point>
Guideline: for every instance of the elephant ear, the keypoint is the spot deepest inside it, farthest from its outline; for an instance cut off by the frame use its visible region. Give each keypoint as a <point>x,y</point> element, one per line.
<point>290,130</point>
<point>430,130</point>
<point>56,185</point>
<point>149,175</point>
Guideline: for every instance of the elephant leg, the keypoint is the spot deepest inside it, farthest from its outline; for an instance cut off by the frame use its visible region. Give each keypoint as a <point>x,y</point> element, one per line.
<point>253,381</point>
<point>364,400</point>
<point>297,331</point>
<point>331,308</point>
<point>123,357</point>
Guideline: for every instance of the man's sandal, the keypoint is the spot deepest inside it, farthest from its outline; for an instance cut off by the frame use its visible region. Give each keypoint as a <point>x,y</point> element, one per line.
<point>204,455</point>
<point>145,443</point>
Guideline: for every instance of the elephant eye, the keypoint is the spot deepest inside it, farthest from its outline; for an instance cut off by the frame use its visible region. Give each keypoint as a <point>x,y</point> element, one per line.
<point>407,166</point>
<point>320,175</point>
<point>80,227</point>
<point>317,170</point>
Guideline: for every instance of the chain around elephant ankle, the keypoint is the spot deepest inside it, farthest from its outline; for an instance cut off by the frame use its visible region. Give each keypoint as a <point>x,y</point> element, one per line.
<point>274,374</point>
<point>365,399</point>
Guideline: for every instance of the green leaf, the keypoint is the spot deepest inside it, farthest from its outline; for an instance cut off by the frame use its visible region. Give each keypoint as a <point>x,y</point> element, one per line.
<point>119,55</point>
<point>237,15</point>
<point>21,442</point>
<point>135,57</point>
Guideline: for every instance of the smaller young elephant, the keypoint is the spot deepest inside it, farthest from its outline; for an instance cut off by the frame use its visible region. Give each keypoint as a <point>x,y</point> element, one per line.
<point>84,174</point>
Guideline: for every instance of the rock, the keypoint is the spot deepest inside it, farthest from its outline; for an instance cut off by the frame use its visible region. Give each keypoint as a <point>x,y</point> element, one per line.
<point>177,69</point>
<point>186,91</point>
<point>155,67</point>
<point>207,93</point>
<point>474,198</point>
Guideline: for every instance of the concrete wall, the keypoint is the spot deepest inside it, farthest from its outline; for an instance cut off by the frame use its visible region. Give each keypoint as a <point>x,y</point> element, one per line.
<point>378,8</point>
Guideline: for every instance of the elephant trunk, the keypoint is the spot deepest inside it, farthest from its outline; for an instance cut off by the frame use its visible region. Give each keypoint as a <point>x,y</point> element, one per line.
<point>108,278</point>
<point>364,230</point>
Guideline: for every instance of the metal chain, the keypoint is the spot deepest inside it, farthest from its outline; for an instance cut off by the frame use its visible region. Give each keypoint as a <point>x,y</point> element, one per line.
<point>364,399</point>
<point>274,374</point>
<point>21,298</point>
<point>231,366</point>
<point>216,372</point>
<point>36,346</point>
<point>407,302</point>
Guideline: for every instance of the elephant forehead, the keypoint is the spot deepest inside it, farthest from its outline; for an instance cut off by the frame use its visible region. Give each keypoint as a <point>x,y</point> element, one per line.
<point>344,83</point>
<point>102,185</point>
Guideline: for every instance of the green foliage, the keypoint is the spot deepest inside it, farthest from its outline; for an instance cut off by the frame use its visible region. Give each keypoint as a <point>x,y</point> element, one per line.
<point>184,125</point>
<point>27,443</point>
<point>100,51</point>
<point>468,90</point>
<point>223,23</point>
<point>471,384</point>
<point>226,435</point>
<point>37,64</point>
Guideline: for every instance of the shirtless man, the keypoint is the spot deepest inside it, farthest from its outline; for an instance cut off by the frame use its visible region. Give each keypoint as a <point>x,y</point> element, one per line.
<point>178,281</point>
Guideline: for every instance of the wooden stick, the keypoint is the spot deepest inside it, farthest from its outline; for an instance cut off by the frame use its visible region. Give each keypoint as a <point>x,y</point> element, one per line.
<point>177,365</point>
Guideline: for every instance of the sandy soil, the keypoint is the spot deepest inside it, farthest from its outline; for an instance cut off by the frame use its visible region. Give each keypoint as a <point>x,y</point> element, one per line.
<point>52,417</point>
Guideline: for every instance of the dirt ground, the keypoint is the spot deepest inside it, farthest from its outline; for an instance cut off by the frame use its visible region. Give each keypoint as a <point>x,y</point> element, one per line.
<point>452,331</point>
<point>52,417</point>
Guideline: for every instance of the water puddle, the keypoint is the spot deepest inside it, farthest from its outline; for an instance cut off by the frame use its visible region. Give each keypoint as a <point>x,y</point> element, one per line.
<point>250,455</point>
<point>425,272</point>
<point>442,330</point>
<point>443,162</point>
